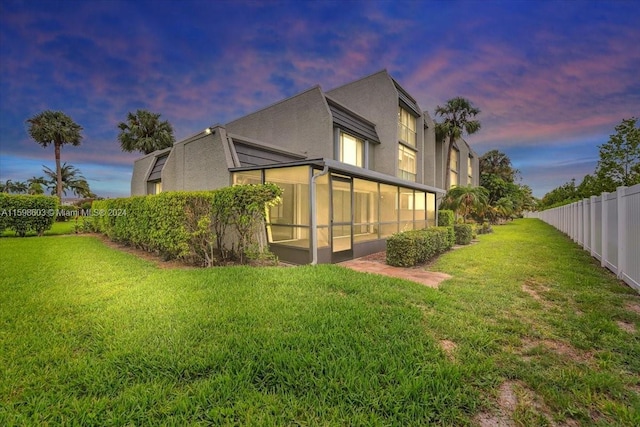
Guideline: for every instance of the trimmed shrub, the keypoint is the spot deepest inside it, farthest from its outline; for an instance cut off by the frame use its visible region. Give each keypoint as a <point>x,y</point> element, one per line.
<point>194,226</point>
<point>25,213</point>
<point>463,233</point>
<point>414,247</point>
<point>446,218</point>
<point>66,212</point>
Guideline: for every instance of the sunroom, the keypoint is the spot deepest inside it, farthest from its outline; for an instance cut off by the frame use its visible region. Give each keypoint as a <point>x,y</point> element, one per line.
<point>332,212</point>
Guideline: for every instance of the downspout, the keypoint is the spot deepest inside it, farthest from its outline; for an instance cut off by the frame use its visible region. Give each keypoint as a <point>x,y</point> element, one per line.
<point>314,216</point>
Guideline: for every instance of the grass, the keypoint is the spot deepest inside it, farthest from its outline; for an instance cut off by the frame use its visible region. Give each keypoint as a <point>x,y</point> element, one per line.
<point>93,336</point>
<point>57,229</point>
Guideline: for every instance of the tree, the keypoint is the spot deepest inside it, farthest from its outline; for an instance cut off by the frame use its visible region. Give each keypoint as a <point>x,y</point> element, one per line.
<point>458,114</point>
<point>16,187</point>
<point>35,185</point>
<point>55,127</point>
<point>144,132</point>
<point>466,200</point>
<point>619,162</point>
<point>72,179</point>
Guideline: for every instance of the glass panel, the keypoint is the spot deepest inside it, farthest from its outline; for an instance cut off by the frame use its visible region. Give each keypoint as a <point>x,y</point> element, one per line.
<point>341,238</point>
<point>247,177</point>
<point>431,209</point>
<point>365,195</point>
<point>406,204</point>
<point>341,201</point>
<point>365,232</point>
<point>388,210</point>
<point>406,226</point>
<point>419,225</point>
<point>322,199</point>
<point>157,187</point>
<point>406,127</point>
<point>453,177</point>
<point>420,210</point>
<point>341,214</point>
<point>387,230</point>
<point>294,208</point>
<point>351,150</point>
<point>323,237</point>
<point>406,163</point>
<point>291,236</point>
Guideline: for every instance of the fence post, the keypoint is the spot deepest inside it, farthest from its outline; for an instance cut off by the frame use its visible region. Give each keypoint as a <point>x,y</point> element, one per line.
<point>605,217</point>
<point>593,225</point>
<point>622,230</point>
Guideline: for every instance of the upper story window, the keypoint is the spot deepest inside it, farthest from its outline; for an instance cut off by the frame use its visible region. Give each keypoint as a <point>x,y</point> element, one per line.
<point>470,170</point>
<point>406,163</point>
<point>351,150</point>
<point>406,127</point>
<point>455,167</point>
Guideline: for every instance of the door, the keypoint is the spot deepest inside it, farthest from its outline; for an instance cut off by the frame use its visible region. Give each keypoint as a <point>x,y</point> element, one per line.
<point>341,218</point>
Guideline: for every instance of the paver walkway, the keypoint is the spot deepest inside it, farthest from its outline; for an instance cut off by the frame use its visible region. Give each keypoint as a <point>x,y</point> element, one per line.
<point>375,264</point>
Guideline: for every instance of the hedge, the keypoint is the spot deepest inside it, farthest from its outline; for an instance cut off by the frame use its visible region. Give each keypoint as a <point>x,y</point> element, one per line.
<point>463,233</point>
<point>446,218</point>
<point>414,247</point>
<point>24,213</point>
<point>194,226</point>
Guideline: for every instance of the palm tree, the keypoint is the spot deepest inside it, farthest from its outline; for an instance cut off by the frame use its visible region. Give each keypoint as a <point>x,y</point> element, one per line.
<point>72,179</point>
<point>458,114</point>
<point>504,208</point>
<point>5,187</point>
<point>144,132</point>
<point>55,127</point>
<point>35,185</point>
<point>467,200</point>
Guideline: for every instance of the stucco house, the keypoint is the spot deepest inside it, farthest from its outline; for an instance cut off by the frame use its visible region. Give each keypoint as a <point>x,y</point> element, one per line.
<point>356,163</point>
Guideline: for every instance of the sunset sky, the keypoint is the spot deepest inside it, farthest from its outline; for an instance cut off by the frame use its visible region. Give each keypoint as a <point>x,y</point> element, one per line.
<point>552,78</point>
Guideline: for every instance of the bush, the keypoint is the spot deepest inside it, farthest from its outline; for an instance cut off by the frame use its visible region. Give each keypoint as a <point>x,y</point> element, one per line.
<point>194,226</point>
<point>414,247</point>
<point>485,228</point>
<point>463,233</point>
<point>446,218</point>
<point>25,213</point>
<point>66,212</point>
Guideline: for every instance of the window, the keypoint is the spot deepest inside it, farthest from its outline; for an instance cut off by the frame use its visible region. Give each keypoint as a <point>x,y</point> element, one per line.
<point>469,170</point>
<point>351,150</point>
<point>406,127</point>
<point>406,163</point>
<point>157,187</point>
<point>455,164</point>
<point>288,221</point>
<point>365,210</point>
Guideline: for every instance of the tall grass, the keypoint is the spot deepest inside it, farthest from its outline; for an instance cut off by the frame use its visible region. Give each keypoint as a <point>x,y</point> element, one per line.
<point>93,336</point>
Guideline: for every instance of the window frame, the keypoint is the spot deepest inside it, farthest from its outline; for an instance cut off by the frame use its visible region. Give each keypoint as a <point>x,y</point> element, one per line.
<point>405,118</point>
<point>340,148</point>
<point>454,168</point>
<point>404,173</point>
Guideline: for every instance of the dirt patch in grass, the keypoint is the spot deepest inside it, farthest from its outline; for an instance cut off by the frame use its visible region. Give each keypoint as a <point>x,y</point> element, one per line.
<point>449,348</point>
<point>557,347</point>
<point>627,327</point>
<point>633,306</point>
<point>519,405</point>
<point>534,290</point>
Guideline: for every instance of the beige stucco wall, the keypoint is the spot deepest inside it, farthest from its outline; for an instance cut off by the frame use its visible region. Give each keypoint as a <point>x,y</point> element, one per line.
<point>376,98</point>
<point>302,124</point>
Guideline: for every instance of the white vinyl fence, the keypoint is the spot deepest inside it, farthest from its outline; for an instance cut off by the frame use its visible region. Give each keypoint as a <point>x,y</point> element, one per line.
<point>608,226</point>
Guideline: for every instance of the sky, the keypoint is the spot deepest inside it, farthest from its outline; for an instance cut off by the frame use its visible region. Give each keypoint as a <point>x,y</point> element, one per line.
<point>552,78</point>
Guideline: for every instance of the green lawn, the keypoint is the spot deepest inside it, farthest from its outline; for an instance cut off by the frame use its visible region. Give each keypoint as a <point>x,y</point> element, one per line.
<point>58,228</point>
<point>530,330</point>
